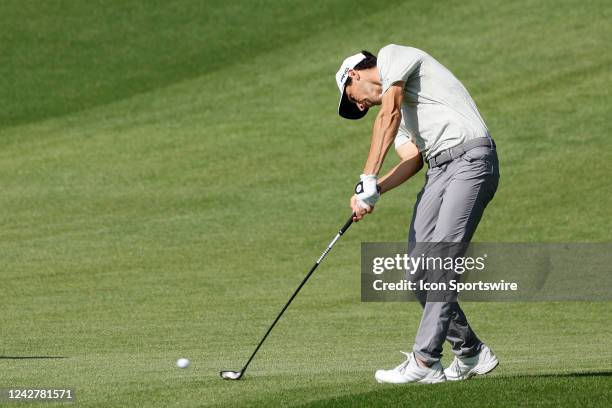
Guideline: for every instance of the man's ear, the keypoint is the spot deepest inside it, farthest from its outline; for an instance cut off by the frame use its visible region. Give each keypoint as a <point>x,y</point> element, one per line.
<point>353,74</point>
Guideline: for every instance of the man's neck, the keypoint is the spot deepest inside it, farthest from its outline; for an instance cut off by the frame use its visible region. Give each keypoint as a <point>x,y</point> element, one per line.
<point>372,75</point>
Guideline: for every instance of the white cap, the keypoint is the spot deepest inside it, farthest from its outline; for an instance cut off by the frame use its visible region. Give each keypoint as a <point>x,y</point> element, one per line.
<point>347,109</point>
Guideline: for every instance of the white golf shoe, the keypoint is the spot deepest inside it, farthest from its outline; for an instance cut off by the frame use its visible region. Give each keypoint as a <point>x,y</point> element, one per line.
<point>466,367</point>
<point>410,371</point>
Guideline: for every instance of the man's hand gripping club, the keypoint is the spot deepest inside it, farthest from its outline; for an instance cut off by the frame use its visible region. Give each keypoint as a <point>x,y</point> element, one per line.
<point>367,193</point>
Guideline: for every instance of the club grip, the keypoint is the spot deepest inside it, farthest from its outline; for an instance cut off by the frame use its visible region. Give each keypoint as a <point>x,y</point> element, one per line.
<point>347,224</point>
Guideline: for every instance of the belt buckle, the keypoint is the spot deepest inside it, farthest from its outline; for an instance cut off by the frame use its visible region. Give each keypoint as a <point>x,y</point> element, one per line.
<point>433,162</point>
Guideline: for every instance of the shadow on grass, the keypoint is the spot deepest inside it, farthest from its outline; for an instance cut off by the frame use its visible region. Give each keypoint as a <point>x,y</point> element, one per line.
<point>29,357</point>
<point>562,389</point>
<point>559,375</point>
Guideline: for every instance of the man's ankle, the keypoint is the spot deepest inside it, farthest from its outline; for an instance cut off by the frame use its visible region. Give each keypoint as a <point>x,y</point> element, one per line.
<point>422,363</point>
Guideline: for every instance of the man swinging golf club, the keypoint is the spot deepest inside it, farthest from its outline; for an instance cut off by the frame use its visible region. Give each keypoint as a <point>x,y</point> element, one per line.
<point>429,116</point>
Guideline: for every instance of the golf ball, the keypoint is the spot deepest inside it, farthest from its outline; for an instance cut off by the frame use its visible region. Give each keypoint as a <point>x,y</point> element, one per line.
<point>182,363</point>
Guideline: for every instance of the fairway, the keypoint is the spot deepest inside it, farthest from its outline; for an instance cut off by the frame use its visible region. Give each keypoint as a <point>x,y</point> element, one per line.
<point>170,172</point>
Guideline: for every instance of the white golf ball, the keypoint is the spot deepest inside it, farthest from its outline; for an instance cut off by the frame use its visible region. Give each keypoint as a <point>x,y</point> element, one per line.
<point>182,363</point>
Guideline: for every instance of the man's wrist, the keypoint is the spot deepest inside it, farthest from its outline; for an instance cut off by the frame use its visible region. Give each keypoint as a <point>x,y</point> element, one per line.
<point>371,178</point>
<point>367,189</point>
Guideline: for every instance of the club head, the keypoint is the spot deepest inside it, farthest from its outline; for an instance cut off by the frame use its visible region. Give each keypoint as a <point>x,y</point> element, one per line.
<point>231,375</point>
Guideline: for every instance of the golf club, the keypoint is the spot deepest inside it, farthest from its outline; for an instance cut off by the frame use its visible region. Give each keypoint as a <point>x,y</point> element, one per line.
<point>236,375</point>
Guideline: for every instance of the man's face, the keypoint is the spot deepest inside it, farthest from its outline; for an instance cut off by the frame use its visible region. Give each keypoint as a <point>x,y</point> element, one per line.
<point>363,90</point>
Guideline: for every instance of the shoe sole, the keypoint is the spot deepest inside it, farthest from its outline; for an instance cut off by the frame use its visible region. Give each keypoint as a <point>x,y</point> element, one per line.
<point>490,366</point>
<point>478,370</point>
<point>423,381</point>
<point>432,381</point>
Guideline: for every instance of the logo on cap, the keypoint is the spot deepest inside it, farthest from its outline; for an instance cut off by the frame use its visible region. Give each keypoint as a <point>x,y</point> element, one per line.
<point>344,74</point>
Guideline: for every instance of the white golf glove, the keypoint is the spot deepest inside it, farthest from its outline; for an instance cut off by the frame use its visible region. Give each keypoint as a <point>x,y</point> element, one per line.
<point>367,191</point>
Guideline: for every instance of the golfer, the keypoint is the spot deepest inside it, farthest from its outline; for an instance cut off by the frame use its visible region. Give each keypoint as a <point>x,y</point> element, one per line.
<point>430,117</point>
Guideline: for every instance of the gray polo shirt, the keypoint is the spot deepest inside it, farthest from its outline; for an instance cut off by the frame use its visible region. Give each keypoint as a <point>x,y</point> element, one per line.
<point>437,112</point>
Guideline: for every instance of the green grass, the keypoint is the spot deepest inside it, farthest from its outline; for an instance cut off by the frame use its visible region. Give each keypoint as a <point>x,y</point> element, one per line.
<point>170,171</point>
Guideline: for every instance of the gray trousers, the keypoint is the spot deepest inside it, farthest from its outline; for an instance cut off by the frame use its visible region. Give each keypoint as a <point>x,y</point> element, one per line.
<point>448,209</point>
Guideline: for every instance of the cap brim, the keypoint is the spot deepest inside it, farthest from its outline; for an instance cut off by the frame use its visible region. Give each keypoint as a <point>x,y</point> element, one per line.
<point>349,110</point>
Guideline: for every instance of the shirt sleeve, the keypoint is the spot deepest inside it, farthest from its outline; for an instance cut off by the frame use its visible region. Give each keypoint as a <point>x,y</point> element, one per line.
<point>396,63</point>
<point>402,136</point>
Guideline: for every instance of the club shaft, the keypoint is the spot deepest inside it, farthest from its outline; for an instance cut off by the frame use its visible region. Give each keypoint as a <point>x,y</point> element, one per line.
<point>314,267</point>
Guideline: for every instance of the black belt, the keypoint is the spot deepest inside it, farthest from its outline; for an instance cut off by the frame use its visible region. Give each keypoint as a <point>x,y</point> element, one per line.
<point>454,152</point>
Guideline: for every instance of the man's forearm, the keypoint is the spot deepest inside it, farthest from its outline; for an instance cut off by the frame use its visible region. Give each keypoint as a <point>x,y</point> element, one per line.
<point>400,173</point>
<point>385,129</point>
